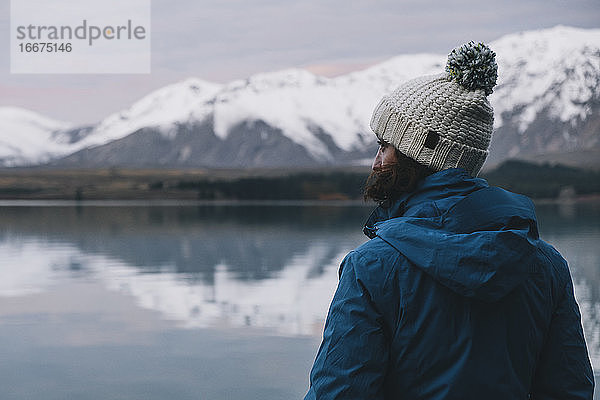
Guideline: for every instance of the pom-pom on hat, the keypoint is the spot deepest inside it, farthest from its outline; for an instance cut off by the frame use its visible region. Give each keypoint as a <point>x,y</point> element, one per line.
<point>443,121</point>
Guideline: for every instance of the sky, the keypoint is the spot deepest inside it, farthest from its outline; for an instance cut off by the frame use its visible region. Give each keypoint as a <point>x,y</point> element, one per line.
<point>223,40</point>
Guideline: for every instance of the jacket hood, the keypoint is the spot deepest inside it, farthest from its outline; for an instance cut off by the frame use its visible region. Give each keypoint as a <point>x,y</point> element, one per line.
<point>477,240</point>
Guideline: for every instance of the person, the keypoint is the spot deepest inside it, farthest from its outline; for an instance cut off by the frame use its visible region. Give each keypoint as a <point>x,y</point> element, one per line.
<point>454,296</point>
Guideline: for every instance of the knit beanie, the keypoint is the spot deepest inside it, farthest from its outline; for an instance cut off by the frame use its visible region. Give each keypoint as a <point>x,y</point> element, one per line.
<point>443,121</point>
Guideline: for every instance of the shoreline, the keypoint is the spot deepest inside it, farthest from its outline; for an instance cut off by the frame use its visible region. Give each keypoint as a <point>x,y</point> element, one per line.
<point>252,186</point>
<point>183,202</point>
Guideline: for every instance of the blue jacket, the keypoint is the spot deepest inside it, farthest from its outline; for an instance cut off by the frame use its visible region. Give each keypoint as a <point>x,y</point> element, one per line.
<point>454,297</point>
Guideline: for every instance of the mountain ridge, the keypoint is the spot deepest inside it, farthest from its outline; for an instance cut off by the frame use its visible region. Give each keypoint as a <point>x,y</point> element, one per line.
<point>547,99</point>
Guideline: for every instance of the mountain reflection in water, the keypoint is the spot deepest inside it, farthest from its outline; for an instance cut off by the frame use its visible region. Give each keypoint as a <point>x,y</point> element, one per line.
<point>271,266</point>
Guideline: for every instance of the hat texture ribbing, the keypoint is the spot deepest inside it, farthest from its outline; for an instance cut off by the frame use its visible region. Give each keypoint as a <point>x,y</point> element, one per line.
<point>443,121</point>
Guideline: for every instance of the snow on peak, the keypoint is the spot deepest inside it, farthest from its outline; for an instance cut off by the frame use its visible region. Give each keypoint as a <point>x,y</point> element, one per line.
<point>292,77</point>
<point>293,100</point>
<point>26,137</point>
<point>300,103</point>
<point>176,103</point>
<point>401,68</point>
<point>555,70</point>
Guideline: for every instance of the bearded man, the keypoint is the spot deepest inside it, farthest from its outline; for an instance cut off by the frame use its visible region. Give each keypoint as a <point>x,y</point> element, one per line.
<point>454,296</point>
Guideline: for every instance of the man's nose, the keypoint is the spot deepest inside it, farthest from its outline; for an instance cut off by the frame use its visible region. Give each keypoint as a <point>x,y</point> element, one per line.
<point>377,160</point>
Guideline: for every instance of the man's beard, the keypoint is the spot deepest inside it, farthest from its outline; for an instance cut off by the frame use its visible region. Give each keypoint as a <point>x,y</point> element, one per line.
<point>393,180</point>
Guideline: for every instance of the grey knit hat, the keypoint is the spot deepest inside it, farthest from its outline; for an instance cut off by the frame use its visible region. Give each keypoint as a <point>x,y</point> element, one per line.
<point>443,121</point>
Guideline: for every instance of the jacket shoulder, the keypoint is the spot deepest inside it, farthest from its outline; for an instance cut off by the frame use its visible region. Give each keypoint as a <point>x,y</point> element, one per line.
<point>373,264</point>
<point>373,253</point>
<point>554,263</point>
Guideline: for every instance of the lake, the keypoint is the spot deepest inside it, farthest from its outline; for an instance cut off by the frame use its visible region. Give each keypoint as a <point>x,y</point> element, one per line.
<point>196,301</point>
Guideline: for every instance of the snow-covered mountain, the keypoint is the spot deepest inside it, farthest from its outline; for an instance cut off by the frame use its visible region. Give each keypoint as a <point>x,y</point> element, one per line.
<point>548,97</point>
<point>30,138</point>
<point>547,100</point>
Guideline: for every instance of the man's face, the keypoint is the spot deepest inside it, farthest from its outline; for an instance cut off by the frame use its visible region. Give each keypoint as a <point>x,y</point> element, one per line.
<point>386,156</point>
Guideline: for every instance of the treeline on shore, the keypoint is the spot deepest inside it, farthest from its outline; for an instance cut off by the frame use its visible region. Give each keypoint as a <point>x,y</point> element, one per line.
<point>536,181</point>
<point>544,181</point>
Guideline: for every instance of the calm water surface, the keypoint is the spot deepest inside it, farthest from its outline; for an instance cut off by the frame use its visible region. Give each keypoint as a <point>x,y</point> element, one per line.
<point>196,301</point>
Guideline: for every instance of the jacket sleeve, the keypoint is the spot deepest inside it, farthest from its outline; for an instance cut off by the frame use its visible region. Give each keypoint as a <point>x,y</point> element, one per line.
<point>353,356</point>
<point>564,370</point>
